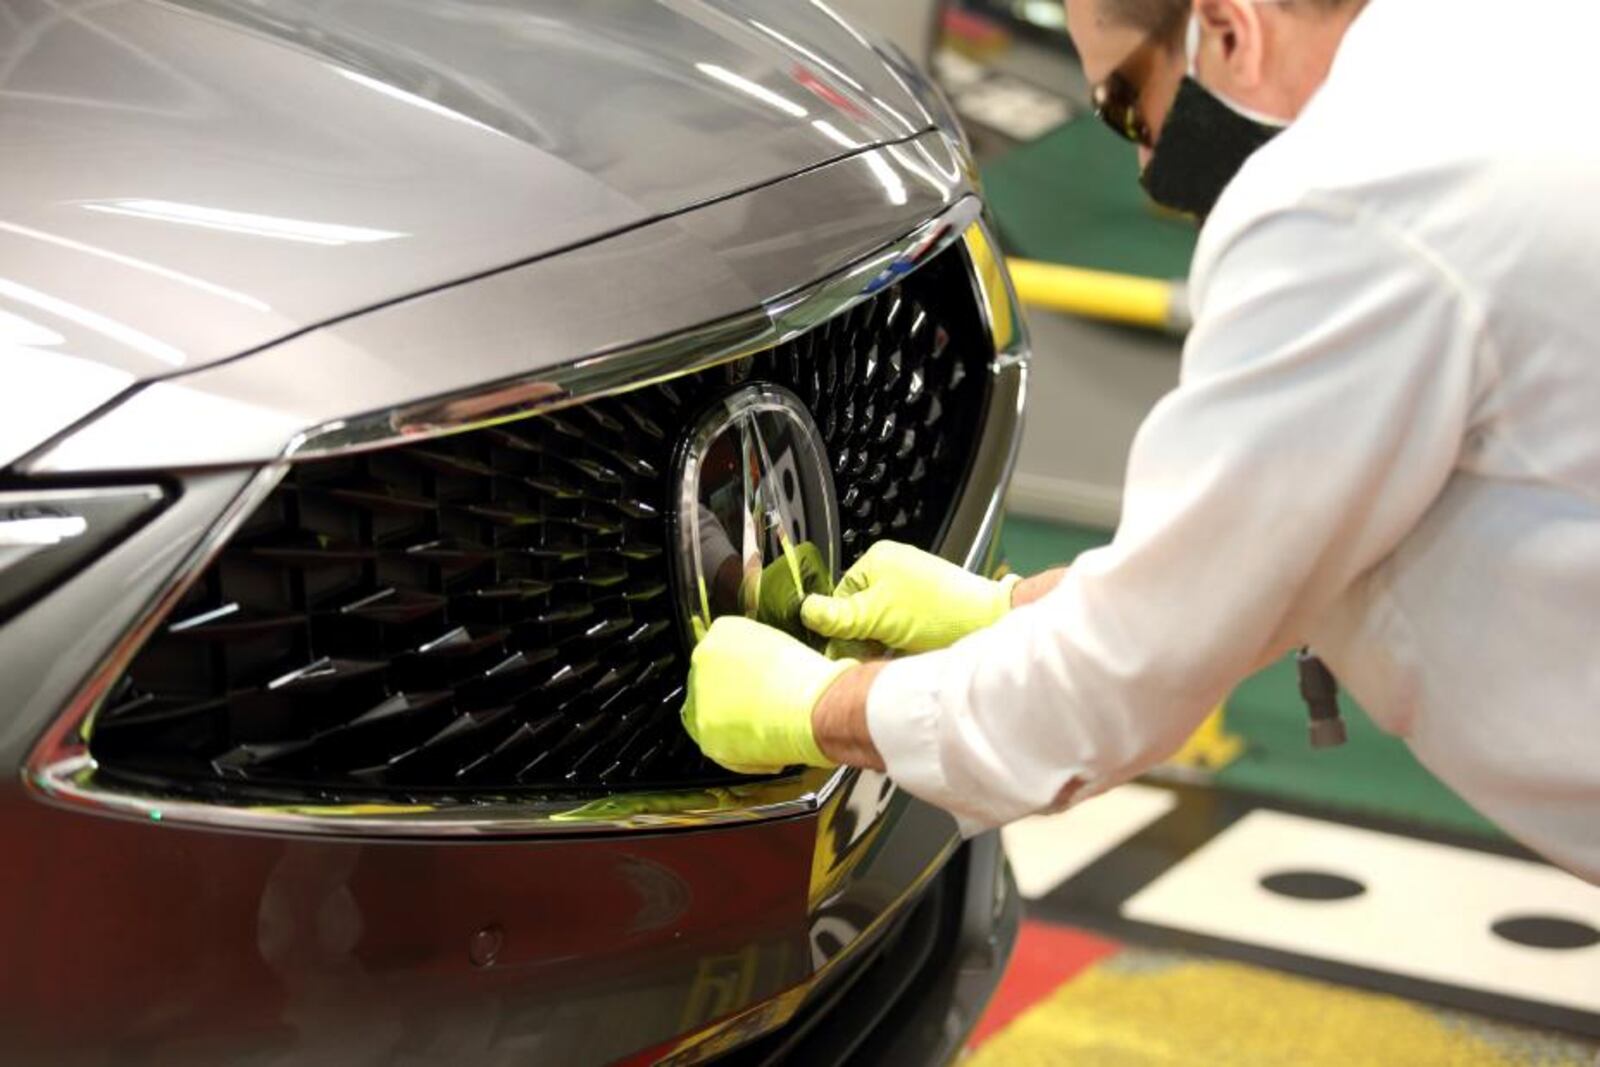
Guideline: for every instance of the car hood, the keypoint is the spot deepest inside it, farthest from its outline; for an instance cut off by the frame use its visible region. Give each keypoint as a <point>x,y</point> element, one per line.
<point>189,181</point>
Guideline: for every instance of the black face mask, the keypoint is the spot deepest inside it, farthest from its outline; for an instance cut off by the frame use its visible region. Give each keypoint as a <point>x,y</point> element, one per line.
<point>1203,144</point>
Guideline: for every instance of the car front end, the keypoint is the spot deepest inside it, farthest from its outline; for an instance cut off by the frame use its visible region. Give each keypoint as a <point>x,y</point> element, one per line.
<point>343,569</point>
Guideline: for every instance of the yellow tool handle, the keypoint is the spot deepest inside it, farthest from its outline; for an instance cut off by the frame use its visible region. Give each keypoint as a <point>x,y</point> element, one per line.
<point>1126,298</point>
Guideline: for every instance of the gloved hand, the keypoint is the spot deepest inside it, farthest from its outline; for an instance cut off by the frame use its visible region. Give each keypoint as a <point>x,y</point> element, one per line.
<point>776,591</point>
<point>909,600</point>
<point>751,693</point>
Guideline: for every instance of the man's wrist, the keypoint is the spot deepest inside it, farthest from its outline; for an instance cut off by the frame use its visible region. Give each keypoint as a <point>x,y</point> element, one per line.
<point>1030,589</point>
<point>1008,590</point>
<point>839,720</point>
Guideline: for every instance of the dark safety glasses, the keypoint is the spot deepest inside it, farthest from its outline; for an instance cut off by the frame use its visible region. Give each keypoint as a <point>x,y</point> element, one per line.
<point>1116,103</point>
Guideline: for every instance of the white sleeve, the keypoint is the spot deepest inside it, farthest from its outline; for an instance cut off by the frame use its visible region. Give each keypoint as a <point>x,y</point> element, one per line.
<point>1325,394</point>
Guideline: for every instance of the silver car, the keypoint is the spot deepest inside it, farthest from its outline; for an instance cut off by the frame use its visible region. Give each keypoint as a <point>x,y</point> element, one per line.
<point>389,387</point>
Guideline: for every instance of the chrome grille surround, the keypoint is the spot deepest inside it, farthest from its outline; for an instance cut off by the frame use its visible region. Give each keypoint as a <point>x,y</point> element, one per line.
<point>62,769</point>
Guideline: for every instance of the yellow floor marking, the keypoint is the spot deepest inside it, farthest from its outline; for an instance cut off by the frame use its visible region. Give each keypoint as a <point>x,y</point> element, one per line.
<point>1210,748</point>
<point>1156,1010</point>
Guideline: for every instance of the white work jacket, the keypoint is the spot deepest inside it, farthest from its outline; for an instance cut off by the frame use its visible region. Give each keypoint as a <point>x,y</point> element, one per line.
<point>1385,443</point>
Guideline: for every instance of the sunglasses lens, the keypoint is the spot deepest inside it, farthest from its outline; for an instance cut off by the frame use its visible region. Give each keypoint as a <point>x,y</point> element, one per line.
<point>1114,105</point>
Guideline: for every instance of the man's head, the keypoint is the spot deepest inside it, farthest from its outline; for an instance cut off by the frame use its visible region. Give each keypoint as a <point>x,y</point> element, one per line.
<point>1266,55</point>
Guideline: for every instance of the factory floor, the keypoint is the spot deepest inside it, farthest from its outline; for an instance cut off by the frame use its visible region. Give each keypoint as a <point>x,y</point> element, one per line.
<point>1257,903</point>
<point>1171,924</point>
<point>1265,904</point>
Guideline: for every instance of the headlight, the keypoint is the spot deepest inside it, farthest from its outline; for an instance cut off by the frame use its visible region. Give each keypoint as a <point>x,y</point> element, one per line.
<point>47,534</point>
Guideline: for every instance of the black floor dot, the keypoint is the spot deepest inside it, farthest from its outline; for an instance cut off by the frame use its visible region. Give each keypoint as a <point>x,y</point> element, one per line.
<point>1546,931</point>
<point>1312,885</point>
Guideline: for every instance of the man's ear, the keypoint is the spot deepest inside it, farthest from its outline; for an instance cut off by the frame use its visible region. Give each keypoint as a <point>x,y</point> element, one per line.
<point>1231,44</point>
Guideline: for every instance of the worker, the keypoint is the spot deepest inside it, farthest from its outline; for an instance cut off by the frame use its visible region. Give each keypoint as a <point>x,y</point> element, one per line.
<point>1384,444</point>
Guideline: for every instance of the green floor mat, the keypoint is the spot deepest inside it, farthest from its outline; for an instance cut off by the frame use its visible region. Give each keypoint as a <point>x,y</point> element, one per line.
<point>1073,197</point>
<point>1373,774</point>
<point>1031,546</point>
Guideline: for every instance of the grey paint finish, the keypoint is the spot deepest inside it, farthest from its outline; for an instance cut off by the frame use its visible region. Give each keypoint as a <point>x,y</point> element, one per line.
<point>664,278</point>
<point>184,185</point>
<point>912,25</point>
<point>82,620</point>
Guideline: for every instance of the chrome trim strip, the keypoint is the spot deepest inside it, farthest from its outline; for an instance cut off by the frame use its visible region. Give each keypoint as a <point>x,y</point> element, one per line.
<point>548,391</point>
<point>62,753</point>
<point>1004,418</point>
<point>75,781</point>
<point>1011,384</point>
<point>62,771</point>
<point>643,365</point>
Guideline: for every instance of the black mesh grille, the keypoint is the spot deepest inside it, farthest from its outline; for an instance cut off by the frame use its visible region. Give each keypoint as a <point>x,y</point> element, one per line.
<point>491,610</point>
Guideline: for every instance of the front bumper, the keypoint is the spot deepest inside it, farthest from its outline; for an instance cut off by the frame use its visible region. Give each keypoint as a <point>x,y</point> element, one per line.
<point>913,994</point>
<point>141,943</point>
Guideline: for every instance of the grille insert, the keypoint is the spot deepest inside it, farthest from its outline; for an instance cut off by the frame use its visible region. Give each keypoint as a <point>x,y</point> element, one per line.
<point>491,611</point>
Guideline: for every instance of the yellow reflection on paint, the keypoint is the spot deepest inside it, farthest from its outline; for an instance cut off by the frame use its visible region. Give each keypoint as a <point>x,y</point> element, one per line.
<point>666,805</point>
<point>835,856</point>
<point>345,810</point>
<point>992,280</point>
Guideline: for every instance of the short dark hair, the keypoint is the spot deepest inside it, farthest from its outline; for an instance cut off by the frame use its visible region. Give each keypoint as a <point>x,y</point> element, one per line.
<point>1161,19</point>
<point>1166,19</point>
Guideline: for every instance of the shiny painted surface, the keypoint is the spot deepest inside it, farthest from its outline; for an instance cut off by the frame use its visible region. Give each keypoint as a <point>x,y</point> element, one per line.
<point>213,946</point>
<point>84,620</point>
<point>697,272</point>
<point>184,183</point>
<point>47,533</point>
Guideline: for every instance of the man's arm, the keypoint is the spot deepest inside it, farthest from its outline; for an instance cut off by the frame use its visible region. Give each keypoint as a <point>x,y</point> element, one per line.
<point>839,721</point>
<point>1325,395</point>
<point>1036,588</point>
<point>840,718</point>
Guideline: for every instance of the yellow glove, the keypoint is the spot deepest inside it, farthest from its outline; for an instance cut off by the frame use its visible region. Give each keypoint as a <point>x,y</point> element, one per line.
<point>751,693</point>
<point>909,600</point>
<point>775,592</point>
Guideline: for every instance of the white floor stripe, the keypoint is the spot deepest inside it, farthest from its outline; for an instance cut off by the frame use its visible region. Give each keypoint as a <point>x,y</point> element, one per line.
<point>1046,850</point>
<point>1426,912</point>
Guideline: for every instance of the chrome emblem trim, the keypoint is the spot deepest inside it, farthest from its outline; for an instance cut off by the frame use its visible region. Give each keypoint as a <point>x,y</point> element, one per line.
<point>757,515</point>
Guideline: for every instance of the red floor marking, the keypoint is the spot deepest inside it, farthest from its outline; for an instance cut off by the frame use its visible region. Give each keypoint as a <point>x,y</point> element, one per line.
<point>1046,957</point>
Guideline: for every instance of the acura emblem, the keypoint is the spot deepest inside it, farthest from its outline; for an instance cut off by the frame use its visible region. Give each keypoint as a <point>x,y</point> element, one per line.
<point>757,516</point>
